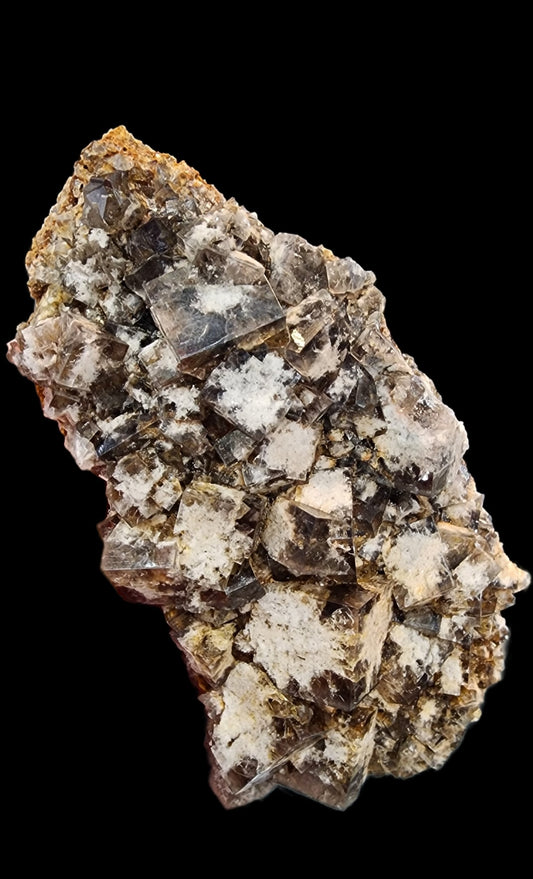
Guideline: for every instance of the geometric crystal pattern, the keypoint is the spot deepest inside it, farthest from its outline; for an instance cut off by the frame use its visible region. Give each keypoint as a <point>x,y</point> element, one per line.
<point>282,480</point>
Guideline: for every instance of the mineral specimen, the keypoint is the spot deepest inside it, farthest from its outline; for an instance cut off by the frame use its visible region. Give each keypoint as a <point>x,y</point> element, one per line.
<point>281,480</point>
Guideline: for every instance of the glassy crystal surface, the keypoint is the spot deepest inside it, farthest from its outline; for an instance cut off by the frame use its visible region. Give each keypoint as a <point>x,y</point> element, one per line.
<point>281,479</point>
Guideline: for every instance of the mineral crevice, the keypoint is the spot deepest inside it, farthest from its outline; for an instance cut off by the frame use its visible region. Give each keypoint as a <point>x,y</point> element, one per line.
<point>282,480</point>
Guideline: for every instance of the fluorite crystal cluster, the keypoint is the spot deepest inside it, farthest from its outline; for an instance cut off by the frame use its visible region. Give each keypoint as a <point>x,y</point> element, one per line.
<point>282,480</point>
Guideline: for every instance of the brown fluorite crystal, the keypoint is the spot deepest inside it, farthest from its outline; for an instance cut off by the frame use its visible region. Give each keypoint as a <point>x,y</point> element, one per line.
<point>282,481</point>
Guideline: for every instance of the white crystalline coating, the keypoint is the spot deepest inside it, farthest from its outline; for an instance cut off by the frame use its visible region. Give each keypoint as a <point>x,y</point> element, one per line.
<point>342,757</point>
<point>338,749</point>
<point>138,482</point>
<point>83,278</point>
<point>344,751</point>
<point>328,358</point>
<point>416,561</point>
<point>200,236</point>
<point>166,494</point>
<point>474,572</point>
<point>279,531</point>
<point>328,491</point>
<point>281,478</point>
<point>217,299</point>
<point>186,431</point>
<point>370,549</point>
<point>89,277</point>
<point>450,626</point>
<point>241,733</point>
<point>99,236</point>
<point>255,395</point>
<point>344,747</point>
<point>38,343</point>
<point>209,542</point>
<point>369,490</point>
<point>373,633</point>
<point>184,400</point>
<point>433,444</point>
<point>291,449</point>
<point>290,642</point>
<point>428,711</point>
<point>452,674</point>
<point>418,653</point>
<point>343,385</point>
<point>83,369</point>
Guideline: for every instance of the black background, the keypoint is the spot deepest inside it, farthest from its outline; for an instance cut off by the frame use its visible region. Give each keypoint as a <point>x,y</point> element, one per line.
<point>413,164</point>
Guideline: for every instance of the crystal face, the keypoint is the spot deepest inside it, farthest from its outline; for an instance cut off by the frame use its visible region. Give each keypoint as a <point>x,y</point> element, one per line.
<point>281,480</point>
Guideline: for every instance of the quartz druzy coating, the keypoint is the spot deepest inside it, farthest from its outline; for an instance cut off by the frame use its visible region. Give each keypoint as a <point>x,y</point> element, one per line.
<point>282,480</point>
